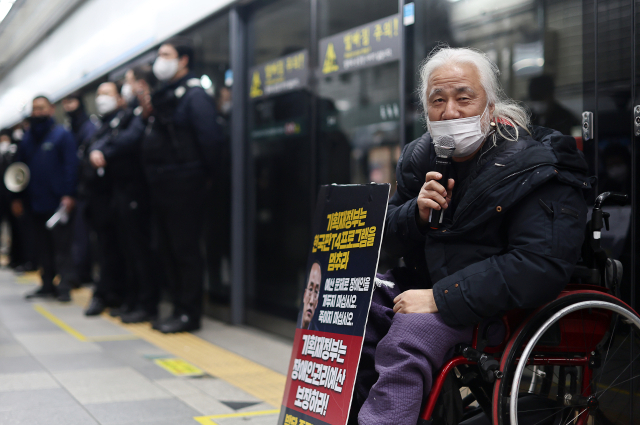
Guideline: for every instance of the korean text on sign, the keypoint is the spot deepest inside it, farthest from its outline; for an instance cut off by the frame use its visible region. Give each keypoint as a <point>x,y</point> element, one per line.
<point>323,348</point>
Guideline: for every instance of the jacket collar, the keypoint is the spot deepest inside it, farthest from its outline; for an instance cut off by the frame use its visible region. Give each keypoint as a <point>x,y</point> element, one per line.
<point>515,169</point>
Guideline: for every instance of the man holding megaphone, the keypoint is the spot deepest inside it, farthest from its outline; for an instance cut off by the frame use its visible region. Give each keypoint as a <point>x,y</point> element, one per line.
<point>50,153</point>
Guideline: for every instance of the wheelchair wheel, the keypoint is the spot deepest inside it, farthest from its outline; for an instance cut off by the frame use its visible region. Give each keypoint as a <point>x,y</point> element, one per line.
<point>575,361</point>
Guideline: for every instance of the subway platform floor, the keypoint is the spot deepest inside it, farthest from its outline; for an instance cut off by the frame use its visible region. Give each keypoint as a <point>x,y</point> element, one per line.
<point>58,367</point>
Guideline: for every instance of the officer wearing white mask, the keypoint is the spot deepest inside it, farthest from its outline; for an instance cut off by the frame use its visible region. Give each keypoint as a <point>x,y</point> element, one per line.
<point>181,152</point>
<point>96,191</point>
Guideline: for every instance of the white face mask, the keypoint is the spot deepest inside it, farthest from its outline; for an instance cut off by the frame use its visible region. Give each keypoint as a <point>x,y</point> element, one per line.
<point>165,69</point>
<point>466,132</point>
<point>106,104</point>
<point>17,134</point>
<point>127,92</point>
<point>4,147</point>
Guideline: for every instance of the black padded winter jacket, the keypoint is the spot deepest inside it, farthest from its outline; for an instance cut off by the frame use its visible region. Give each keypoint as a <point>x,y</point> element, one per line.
<point>513,236</point>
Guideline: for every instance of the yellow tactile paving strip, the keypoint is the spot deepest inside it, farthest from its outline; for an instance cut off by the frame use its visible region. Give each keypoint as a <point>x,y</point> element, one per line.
<point>257,380</point>
<point>78,335</point>
<point>28,278</point>
<point>208,420</point>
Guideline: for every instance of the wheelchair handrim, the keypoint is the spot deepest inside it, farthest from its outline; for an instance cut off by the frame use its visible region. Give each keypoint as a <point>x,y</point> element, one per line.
<point>513,406</point>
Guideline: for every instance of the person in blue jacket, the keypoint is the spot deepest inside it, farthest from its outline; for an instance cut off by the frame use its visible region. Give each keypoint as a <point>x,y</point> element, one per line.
<point>514,222</point>
<point>50,153</point>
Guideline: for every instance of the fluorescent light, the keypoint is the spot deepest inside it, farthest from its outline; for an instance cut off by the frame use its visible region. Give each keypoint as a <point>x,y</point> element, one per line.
<point>5,7</point>
<point>528,62</point>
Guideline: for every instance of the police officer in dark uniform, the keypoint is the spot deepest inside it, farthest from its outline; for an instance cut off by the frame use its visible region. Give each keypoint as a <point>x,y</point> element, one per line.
<point>180,159</point>
<point>118,153</point>
<point>83,130</point>
<point>96,190</point>
<point>123,227</point>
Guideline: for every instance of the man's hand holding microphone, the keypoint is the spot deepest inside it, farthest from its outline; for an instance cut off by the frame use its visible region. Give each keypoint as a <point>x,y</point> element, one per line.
<point>433,199</point>
<point>433,195</point>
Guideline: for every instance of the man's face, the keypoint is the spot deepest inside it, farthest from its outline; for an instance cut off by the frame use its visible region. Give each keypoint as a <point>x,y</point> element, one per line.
<point>310,300</point>
<point>141,87</point>
<point>167,51</point>
<point>454,91</point>
<point>110,89</point>
<point>70,104</point>
<point>225,94</point>
<point>129,77</point>
<point>41,108</point>
<point>142,90</point>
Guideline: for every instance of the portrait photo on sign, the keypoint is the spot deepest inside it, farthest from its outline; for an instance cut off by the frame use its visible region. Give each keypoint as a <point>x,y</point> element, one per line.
<point>310,295</point>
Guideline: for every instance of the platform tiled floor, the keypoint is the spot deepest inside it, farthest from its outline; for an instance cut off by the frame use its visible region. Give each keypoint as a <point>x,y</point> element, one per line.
<point>58,367</point>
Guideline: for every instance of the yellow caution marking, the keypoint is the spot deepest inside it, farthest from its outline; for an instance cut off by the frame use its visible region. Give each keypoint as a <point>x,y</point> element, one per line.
<point>256,91</point>
<point>40,309</point>
<point>179,367</point>
<point>208,420</point>
<point>28,278</point>
<point>81,296</point>
<point>330,65</point>
<point>78,335</point>
<point>257,380</point>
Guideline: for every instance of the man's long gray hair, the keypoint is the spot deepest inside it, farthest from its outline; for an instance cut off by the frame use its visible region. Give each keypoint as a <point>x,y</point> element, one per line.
<point>506,110</point>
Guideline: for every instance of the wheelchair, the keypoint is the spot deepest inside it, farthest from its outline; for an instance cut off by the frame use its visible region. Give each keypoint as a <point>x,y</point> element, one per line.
<point>572,361</point>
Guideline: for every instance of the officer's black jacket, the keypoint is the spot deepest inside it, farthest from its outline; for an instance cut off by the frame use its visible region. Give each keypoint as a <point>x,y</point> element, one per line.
<point>119,140</point>
<point>183,137</point>
<point>516,232</point>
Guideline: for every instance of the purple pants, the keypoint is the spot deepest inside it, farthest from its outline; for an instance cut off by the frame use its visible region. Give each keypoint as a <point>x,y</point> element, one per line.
<point>401,352</point>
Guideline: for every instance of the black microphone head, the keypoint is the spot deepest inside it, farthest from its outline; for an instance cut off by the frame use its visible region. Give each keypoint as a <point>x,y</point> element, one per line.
<point>444,145</point>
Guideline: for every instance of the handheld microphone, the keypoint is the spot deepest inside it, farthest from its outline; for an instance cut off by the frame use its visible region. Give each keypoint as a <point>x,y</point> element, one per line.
<point>444,146</point>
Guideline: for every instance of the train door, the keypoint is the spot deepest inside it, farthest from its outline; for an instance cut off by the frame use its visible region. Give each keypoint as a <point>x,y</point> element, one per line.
<point>279,161</point>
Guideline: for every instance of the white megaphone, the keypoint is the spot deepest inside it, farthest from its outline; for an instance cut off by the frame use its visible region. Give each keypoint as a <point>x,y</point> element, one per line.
<point>16,178</point>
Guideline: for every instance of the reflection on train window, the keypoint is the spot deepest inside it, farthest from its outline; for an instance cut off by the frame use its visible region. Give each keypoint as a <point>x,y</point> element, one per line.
<point>359,126</point>
<point>279,161</point>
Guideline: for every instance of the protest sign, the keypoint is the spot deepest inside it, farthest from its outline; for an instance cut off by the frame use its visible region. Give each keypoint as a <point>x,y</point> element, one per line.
<point>343,258</point>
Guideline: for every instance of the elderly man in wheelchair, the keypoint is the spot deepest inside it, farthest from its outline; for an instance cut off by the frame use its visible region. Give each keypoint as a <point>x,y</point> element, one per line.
<point>513,227</point>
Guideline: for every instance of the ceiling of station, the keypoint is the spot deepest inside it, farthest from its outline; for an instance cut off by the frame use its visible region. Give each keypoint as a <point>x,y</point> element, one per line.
<point>26,24</point>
